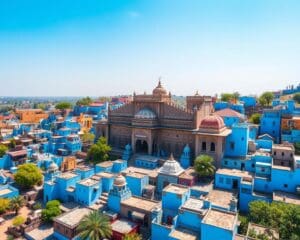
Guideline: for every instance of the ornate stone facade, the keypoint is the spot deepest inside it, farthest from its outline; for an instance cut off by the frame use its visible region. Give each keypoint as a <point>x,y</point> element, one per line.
<point>153,124</point>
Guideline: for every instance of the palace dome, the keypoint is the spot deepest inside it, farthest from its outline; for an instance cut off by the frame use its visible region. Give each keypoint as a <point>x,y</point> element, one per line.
<point>145,113</point>
<point>119,181</point>
<point>171,167</point>
<point>212,122</point>
<point>159,90</point>
<point>53,167</point>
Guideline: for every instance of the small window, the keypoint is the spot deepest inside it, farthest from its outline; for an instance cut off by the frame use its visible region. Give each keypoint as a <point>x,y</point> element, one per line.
<point>274,153</point>
<point>243,138</point>
<point>282,163</point>
<point>221,180</point>
<point>285,185</point>
<point>228,181</point>
<point>282,154</point>
<point>212,147</point>
<point>291,155</point>
<point>234,163</point>
<point>263,169</point>
<point>232,145</point>
<point>226,162</point>
<point>203,146</point>
<point>252,165</point>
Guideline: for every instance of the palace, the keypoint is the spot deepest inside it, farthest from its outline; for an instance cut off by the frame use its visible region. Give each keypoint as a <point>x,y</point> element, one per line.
<point>153,124</point>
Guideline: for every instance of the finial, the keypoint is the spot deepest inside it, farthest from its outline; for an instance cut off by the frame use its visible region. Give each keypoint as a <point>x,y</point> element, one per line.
<point>171,156</point>
<point>197,93</point>
<point>134,93</point>
<point>159,82</point>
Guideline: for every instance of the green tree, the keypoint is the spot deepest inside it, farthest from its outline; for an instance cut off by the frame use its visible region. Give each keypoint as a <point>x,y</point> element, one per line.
<point>51,211</point>
<point>88,137</point>
<point>255,118</point>
<point>227,97</point>
<point>259,212</point>
<point>4,205</point>
<point>19,220</point>
<point>84,101</point>
<point>243,224</point>
<point>63,105</point>
<point>297,148</point>
<point>132,236</point>
<point>12,143</point>
<point>3,150</point>
<point>28,175</point>
<point>236,96</point>
<point>37,206</point>
<point>204,166</point>
<point>16,203</point>
<point>296,97</point>
<point>41,106</point>
<point>99,151</point>
<point>94,226</point>
<point>266,98</point>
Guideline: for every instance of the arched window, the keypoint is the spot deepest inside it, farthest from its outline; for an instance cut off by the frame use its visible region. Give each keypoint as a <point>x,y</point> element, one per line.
<point>212,147</point>
<point>203,146</point>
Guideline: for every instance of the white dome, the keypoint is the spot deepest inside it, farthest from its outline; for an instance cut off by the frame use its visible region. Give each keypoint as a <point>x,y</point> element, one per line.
<point>119,181</point>
<point>171,167</point>
<point>145,113</point>
<point>53,167</point>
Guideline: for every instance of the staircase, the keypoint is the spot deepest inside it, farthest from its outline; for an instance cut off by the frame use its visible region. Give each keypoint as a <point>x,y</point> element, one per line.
<point>103,198</point>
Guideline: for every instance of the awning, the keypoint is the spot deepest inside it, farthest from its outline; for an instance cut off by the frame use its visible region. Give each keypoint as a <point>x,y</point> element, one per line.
<point>138,215</point>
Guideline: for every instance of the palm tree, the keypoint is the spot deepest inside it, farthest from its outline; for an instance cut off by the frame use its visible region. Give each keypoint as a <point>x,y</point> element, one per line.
<point>132,236</point>
<point>204,166</point>
<point>94,226</point>
<point>16,203</point>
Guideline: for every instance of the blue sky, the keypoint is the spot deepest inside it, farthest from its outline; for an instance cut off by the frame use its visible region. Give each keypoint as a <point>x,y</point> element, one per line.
<point>108,47</point>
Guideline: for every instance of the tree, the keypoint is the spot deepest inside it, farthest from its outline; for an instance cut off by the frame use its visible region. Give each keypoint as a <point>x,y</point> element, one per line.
<point>3,150</point>
<point>243,224</point>
<point>41,106</point>
<point>63,105</point>
<point>226,97</point>
<point>19,220</point>
<point>51,211</point>
<point>94,226</point>
<point>88,137</point>
<point>99,151</point>
<point>204,166</point>
<point>236,96</point>
<point>132,236</point>
<point>255,118</point>
<point>84,101</point>
<point>28,175</point>
<point>4,205</point>
<point>296,97</point>
<point>12,143</point>
<point>266,98</point>
<point>16,203</point>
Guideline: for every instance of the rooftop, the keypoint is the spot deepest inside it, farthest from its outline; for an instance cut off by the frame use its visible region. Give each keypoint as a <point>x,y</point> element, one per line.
<point>72,218</point>
<point>40,233</point>
<point>176,188</point>
<point>88,182</point>
<point>149,172</point>
<point>235,172</point>
<point>67,175</point>
<point>195,205</point>
<point>141,203</point>
<point>220,197</point>
<point>105,175</point>
<point>286,197</point>
<point>105,164</point>
<point>5,191</point>
<point>221,219</point>
<point>272,233</point>
<point>123,226</point>
<point>183,234</point>
<point>135,175</point>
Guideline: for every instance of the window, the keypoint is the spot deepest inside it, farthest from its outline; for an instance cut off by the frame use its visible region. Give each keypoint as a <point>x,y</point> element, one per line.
<point>263,170</point>
<point>226,162</point>
<point>212,147</point>
<point>243,139</point>
<point>252,165</point>
<point>285,185</point>
<point>232,145</point>
<point>273,123</point>
<point>203,146</point>
<point>291,155</point>
<point>221,180</point>
<point>234,163</point>
<point>274,153</point>
<point>228,181</point>
<point>282,154</point>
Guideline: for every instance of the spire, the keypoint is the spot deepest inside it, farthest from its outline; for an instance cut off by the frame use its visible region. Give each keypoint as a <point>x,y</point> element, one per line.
<point>197,93</point>
<point>159,82</point>
<point>171,157</point>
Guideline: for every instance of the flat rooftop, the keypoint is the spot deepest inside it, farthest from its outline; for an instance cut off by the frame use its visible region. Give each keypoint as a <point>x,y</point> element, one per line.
<point>195,205</point>
<point>285,168</point>
<point>151,173</point>
<point>140,203</point>
<point>221,219</point>
<point>105,175</point>
<point>272,233</point>
<point>41,233</point>
<point>177,189</point>
<point>67,175</point>
<point>286,197</point>
<point>123,226</point>
<point>235,172</point>
<point>72,218</point>
<point>105,164</point>
<point>88,182</point>
<point>220,197</point>
<point>5,191</point>
<point>135,175</point>
<point>188,174</point>
<point>183,234</point>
